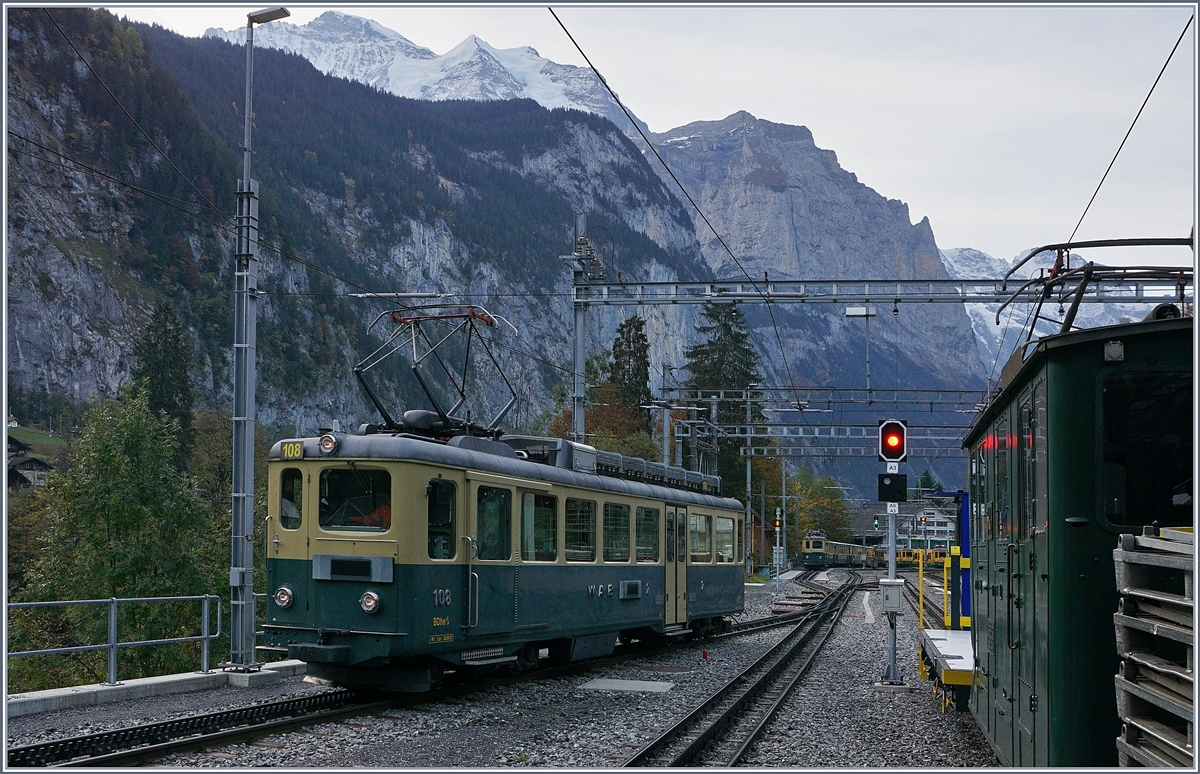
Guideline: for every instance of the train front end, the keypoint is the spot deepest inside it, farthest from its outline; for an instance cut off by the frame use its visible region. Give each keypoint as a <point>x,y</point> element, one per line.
<point>340,576</point>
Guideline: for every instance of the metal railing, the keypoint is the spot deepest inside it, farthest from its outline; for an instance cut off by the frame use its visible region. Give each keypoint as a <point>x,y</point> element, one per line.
<point>205,637</point>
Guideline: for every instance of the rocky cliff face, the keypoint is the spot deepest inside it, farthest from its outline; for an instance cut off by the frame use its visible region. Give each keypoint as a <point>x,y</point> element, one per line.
<point>77,303</point>
<point>786,208</point>
<point>72,308</point>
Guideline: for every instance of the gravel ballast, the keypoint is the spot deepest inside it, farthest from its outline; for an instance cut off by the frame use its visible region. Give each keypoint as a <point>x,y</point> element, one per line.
<point>558,722</point>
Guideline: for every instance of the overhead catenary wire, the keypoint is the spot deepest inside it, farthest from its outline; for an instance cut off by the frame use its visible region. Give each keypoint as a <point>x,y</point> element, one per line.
<point>130,116</point>
<point>700,212</point>
<point>1104,177</point>
<point>170,202</point>
<point>770,309</point>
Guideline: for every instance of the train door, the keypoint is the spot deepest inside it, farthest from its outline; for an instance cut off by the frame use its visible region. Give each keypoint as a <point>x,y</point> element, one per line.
<point>491,592</point>
<point>1029,581</point>
<point>676,561</point>
<point>1006,635</point>
<point>287,534</point>
<point>1020,578</point>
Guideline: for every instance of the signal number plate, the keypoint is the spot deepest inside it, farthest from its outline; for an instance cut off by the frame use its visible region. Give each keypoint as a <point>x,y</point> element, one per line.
<point>292,450</point>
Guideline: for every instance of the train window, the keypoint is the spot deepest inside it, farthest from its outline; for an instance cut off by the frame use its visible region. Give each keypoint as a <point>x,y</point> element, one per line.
<point>670,537</point>
<point>494,522</point>
<point>291,498</point>
<point>443,539</point>
<point>616,532</point>
<point>701,529</point>
<point>353,499</point>
<point>581,530</point>
<point>539,528</point>
<point>647,534</point>
<point>1147,455</point>
<point>724,540</point>
<point>737,536</point>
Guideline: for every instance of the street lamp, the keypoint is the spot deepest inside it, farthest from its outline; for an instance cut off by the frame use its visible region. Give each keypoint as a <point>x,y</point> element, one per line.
<point>241,571</point>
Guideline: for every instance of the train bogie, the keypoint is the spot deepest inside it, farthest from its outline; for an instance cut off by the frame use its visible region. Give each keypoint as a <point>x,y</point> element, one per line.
<point>392,559</point>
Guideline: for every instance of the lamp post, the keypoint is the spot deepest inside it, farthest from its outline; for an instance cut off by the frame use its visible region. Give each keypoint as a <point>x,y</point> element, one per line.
<point>241,570</point>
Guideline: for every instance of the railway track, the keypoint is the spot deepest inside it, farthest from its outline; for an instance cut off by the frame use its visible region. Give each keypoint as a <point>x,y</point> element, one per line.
<point>934,615</point>
<point>153,741</point>
<point>721,730</point>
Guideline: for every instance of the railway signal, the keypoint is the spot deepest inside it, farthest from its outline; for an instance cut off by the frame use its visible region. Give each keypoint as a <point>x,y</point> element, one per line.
<point>893,441</point>
<point>893,488</point>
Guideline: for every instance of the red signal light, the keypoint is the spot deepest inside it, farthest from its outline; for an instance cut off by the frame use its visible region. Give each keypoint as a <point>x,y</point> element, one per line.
<point>893,446</point>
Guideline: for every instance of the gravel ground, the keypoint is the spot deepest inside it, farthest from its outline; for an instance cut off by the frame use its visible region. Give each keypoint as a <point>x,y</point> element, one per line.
<point>836,718</point>
<point>522,724</point>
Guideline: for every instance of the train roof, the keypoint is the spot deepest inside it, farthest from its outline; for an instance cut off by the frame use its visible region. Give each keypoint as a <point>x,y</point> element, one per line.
<point>407,447</point>
<point>1017,370</point>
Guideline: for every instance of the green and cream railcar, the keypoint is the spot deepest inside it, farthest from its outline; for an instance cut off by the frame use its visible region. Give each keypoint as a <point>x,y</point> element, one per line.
<point>393,558</point>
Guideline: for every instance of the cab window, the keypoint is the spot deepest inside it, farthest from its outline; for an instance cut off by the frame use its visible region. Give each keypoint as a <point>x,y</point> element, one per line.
<point>616,532</point>
<point>539,528</point>
<point>1146,473</point>
<point>581,530</point>
<point>291,498</point>
<point>647,535</point>
<point>701,538</point>
<point>354,499</point>
<point>494,515</point>
<point>443,538</point>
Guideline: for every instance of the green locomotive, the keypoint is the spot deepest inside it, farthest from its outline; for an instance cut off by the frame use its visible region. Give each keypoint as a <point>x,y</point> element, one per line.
<point>1090,436</point>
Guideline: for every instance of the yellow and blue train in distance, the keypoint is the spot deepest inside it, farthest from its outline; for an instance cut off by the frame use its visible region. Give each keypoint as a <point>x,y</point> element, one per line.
<point>394,558</point>
<point>818,552</point>
<point>912,557</point>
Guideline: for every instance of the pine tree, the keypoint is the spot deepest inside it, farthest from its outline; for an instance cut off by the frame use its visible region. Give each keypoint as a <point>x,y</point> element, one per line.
<point>631,364</point>
<point>725,360</point>
<point>164,370</point>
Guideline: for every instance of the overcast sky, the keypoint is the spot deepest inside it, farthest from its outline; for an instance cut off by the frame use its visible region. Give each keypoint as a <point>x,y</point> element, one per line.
<point>995,122</point>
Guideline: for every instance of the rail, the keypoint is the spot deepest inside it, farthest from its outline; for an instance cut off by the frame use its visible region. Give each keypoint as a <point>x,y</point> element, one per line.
<point>770,678</point>
<point>205,637</point>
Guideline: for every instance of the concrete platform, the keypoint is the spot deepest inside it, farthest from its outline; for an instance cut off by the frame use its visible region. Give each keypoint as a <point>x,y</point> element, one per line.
<point>61,698</point>
<point>607,684</point>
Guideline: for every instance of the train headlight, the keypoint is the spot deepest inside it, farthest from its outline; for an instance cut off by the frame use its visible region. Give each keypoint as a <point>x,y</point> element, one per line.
<point>328,443</point>
<point>284,597</point>
<point>369,602</point>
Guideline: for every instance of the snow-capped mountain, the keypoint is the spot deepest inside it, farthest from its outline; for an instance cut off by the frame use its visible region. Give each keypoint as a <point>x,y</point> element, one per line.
<point>968,263</point>
<point>361,50</point>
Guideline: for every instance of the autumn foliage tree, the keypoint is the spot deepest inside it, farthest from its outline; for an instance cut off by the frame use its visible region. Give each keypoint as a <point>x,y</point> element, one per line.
<point>119,520</point>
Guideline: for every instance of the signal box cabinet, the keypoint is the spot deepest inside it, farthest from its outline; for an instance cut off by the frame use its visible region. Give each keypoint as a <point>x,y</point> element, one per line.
<point>892,594</point>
